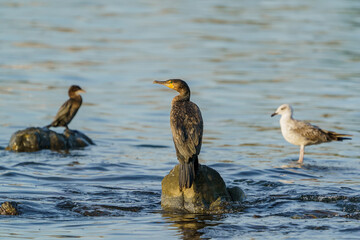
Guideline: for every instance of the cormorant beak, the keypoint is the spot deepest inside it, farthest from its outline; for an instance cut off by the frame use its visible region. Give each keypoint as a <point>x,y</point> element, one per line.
<point>158,82</point>
<point>165,83</point>
<point>274,114</point>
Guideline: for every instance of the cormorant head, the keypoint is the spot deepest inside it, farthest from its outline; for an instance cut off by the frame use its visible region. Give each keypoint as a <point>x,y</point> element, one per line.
<point>283,110</point>
<point>75,90</point>
<point>176,84</point>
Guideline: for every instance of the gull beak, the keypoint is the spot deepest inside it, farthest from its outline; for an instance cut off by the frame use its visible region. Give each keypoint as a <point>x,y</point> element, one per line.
<point>81,91</point>
<point>274,114</point>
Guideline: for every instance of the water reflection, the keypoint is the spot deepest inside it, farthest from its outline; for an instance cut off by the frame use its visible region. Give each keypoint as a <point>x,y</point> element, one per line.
<point>190,226</point>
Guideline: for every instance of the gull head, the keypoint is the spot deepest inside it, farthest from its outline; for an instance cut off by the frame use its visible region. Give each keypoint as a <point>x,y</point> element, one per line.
<point>284,109</point>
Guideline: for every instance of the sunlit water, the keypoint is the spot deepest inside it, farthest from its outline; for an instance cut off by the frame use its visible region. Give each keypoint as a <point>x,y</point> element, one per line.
<point>242,59</point>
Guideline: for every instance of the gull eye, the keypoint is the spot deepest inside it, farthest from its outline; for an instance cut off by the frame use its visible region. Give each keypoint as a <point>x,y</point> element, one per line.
<point>283,108</point>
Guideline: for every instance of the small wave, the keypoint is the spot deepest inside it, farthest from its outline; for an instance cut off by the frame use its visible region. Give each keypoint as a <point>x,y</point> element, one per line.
<point>324,168</point>
<point>291,171</point>
<point>30,163</point>
<point>96,210</point>
<point>150,146</point>
<point>262,183</point>
<point>3,168</point>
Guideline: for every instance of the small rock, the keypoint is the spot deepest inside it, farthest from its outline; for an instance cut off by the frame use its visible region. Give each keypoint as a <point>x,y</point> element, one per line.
<point>9,208</point>
<point>237,194</point>
<point>34,139</point>
<point>208,194</point>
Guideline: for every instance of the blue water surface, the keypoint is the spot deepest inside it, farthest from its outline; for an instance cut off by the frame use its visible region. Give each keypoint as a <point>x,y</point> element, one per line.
<point>241,59</point>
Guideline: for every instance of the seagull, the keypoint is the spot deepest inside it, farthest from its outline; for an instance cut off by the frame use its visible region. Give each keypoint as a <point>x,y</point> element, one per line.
<point>302,133</point>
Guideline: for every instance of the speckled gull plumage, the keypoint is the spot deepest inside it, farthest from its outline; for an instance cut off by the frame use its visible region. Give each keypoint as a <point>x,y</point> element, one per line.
<point>302,133</point>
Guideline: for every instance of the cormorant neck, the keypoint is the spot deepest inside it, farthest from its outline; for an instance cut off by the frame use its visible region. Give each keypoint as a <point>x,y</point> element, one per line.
<point>75,96</point>
<point>184,95</point>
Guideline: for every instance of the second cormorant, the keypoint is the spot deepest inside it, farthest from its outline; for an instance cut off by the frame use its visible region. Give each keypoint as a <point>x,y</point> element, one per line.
<point>187,130</point>
<point>69,109</point>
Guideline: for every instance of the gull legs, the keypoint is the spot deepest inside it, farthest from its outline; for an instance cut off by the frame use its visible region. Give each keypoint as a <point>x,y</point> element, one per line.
<point>301,156</point>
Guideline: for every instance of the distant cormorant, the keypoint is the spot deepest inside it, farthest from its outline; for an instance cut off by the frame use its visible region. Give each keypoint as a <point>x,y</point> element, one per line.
<point>69,109</point>
<point>187,130</point>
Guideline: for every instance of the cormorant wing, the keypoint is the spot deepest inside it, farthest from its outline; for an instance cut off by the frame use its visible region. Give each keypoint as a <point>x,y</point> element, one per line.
<point>67,111</point>
<point>187,129</point>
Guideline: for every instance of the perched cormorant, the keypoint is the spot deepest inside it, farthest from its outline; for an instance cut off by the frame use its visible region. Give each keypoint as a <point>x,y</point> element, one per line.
<point>69,109</point>
<point>302,133</point>
<point>187,130</point>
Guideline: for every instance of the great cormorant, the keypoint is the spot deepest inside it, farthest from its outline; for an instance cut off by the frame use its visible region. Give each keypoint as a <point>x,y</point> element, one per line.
<point>69,109</point>
<point>187,130</point>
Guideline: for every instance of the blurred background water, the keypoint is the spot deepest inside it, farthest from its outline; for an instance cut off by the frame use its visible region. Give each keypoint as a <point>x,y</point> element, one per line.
<point>241,59</point>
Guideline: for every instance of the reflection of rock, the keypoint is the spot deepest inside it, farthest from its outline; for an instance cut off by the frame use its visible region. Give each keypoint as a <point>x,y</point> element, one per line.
<point>190,225</point>
<point>9,208</point>
<point>207,195</point>
<point>35,139</point>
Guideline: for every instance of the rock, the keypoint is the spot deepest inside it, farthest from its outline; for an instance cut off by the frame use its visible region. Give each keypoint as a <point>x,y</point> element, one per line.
<point>9,208</point>
<point>208,194</point>
<point>237,194</point>
<point>34,139</point>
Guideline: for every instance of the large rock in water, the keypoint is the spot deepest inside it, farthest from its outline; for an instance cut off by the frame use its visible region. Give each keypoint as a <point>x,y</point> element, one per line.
<point>34,139</point>
<point>208,194</point>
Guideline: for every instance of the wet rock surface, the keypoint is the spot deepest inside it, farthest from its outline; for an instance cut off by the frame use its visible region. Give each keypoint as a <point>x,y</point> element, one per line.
<point>35,139</point>
<point>208,194</point>
<point>9,208</point>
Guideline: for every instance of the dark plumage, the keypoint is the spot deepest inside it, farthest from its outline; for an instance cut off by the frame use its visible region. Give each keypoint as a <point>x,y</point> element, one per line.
<point>69,109</point>
<point>187,130</point>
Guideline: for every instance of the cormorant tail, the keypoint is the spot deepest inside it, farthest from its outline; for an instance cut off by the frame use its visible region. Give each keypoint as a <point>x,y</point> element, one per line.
<point>187,172</point>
